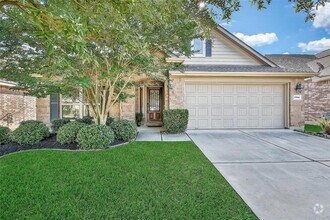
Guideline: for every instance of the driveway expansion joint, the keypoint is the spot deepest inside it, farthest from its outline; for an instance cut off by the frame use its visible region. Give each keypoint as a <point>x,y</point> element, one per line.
<point>312,160</point>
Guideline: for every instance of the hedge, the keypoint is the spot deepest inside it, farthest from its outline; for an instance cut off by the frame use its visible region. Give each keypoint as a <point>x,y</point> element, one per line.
<point>95,136</point>
<point>125,130</point>
<point>175,120</point>
<point>30,132</point>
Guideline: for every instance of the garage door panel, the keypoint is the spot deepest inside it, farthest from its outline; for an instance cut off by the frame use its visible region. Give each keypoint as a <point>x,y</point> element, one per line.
<point>234,106</point>
<point>202,112</point>
<point>202,100</point>
<point>216,111</point>
<point>216,99</point>
<point>203,123</point>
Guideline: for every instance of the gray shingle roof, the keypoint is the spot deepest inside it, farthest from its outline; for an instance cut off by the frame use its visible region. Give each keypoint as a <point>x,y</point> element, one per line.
<point>292,62</point>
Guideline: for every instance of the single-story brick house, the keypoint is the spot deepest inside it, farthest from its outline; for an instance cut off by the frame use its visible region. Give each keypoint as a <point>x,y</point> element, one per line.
<point>226,84</point>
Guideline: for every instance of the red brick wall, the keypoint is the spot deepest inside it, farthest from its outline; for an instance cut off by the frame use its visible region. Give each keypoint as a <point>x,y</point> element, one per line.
<point>20,106</point>
<point>317,99</point>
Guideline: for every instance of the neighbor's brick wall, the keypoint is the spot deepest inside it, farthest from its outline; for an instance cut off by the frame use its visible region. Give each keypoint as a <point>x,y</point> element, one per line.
<point>20,106</point>
<point>317,99</point>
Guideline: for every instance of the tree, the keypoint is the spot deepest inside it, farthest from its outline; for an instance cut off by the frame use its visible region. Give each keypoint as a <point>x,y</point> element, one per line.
<point>102,46</point>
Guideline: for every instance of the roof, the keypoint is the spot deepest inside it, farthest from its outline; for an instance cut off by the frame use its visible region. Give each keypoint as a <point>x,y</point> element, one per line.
<point>231,68</point>
<point>323,54</point>
<point>292,62</point>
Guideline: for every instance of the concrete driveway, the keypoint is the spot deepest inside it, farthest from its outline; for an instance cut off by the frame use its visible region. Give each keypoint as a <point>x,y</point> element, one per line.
<point>280,174</point>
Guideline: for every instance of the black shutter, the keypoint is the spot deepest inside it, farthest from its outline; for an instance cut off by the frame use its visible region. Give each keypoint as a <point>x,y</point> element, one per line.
<point>54,106</point>
<point>208,45</point>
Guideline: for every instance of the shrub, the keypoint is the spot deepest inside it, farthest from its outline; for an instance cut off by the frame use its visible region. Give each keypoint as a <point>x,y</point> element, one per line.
<point>30,121</point>
<point>310,128</point>
<point>67,134</point>
<point>324,123</point>
<point>175,120</point>
<point>138,118</point>
<point>86,119</point>
<point>4,135</point>
<point>30,132</point>
<point>95,136</point>
<point>124,130</point>
<point>57,123</point>
<point>327,130</point>
<point>110,120</point>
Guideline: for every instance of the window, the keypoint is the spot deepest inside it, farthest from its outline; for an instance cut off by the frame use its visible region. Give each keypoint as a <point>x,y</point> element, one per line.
<point>198,46</point>
<point>73,106</point>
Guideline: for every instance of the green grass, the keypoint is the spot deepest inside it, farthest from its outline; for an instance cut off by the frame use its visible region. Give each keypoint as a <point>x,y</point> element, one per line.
<point>143,180</point>
<point>312,128</point>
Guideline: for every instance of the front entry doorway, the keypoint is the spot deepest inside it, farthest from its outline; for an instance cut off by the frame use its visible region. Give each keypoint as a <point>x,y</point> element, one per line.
<point>154,106</point>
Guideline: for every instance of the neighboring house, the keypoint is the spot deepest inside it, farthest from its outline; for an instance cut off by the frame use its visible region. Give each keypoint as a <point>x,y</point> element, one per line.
<point>226,84</point>
<point>15,106</point>
<point>317,88</point>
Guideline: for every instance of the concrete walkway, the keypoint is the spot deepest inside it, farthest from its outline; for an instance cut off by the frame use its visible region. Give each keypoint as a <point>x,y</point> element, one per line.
<point>155,134</point>
<point>280,174</point>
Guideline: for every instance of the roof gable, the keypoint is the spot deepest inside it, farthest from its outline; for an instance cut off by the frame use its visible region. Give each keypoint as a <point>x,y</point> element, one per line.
<point>227,49</point>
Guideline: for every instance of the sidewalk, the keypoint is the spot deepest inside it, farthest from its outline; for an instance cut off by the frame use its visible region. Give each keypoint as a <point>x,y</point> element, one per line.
<point>154,134</point>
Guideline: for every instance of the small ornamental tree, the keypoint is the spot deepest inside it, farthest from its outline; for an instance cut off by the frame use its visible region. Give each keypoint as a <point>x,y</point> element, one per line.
<point>99,47</point>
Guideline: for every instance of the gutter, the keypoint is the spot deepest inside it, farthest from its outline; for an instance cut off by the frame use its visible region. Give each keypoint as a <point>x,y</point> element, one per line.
<point>240,74</point>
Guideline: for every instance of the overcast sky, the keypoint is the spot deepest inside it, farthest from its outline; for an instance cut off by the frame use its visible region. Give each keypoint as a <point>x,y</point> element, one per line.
<point>278,29</point>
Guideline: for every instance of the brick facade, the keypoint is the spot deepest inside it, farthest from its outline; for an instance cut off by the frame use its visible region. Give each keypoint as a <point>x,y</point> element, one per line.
<point>43,110</point>
<point>21,107</point>
<point>317,99</point>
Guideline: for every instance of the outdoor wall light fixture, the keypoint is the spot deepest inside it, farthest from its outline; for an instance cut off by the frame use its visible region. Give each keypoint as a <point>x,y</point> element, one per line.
<point>299,87</point>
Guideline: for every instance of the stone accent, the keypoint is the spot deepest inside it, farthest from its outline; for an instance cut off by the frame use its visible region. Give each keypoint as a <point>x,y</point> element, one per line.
<point>176,93</point>
<point>317,99</point>
<point>43,110</point>
<point>297,111</point>
<point>22,107</point>
<point>127,108</point>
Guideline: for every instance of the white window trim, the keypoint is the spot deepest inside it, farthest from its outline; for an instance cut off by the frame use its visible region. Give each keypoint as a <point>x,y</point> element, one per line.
<point>204,49</point>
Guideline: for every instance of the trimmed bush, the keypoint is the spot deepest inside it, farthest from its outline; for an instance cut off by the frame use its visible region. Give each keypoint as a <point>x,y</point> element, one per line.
<point>67,134</point>
<point>124,130</point>
<point>4,135</point>
<point>31,121</point>
<point>327,130</point>
<point>95,136</point>
<point>57,123</point>
<point>110,120</point>
<point>30,132</point>
<point>86,119</point>
<point>175,120</point>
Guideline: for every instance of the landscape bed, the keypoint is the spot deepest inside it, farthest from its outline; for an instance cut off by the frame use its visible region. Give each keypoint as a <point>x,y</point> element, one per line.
<point>141,180</point>
<point>315,130</point>
<point>48,143</point>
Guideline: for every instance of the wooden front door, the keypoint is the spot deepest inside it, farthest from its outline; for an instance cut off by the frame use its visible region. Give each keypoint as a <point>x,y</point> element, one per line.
<point>154,105</point>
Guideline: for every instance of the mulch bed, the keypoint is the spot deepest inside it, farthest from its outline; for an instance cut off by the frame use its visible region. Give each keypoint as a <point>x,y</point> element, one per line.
<point>49,143</point>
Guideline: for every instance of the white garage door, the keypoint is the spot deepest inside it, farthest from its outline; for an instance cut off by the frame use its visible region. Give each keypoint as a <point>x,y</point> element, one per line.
<point>213,106</point>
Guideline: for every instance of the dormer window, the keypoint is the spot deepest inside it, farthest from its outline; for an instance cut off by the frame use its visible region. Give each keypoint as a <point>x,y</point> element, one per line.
<point>198,46</point>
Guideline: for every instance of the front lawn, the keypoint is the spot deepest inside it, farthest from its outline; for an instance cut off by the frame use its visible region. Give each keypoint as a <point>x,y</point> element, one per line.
<point>143,180</point>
